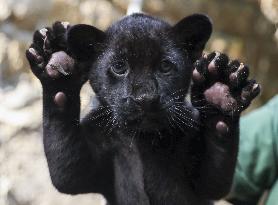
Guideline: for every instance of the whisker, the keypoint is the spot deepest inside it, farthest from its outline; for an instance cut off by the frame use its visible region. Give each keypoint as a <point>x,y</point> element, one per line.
<point>182,120</point>
<point>173,100</point>
<point>178,91</point>
<point>183,114</point>
<point>176,122</point>
<point>185,109</point>
<point>100,107</point>
<point>102,114</point>
<point>108,123</point>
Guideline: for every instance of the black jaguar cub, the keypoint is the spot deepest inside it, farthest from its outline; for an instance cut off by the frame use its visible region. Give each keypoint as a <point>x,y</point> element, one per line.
<point>144,143</point>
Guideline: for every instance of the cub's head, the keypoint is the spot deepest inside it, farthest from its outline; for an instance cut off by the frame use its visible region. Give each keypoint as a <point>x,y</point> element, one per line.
<point>141,66</point>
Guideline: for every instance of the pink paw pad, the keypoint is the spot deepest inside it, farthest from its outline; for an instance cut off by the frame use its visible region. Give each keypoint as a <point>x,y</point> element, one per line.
<point>60,99</point>
<point>222,128</point>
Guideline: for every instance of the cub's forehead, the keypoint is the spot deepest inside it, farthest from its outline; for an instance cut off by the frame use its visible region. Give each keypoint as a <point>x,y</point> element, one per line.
<point>139,33</point>
<point>138,26</point>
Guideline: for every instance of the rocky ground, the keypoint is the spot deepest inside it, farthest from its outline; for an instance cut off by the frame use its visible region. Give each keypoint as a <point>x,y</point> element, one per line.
<point>24,177</point>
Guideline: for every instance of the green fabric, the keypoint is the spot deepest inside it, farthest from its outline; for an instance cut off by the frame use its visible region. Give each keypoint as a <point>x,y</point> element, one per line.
<point>256,169</point>
<point>273,195</point>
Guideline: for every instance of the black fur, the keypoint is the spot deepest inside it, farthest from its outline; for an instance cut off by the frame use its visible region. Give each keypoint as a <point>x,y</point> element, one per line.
<point>143,144</point>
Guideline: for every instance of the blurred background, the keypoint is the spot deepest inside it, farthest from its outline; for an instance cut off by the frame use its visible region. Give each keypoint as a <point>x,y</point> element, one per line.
<point>244,29</point>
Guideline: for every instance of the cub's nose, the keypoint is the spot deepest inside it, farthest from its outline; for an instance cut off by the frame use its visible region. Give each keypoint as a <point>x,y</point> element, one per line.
<point>148,102</point>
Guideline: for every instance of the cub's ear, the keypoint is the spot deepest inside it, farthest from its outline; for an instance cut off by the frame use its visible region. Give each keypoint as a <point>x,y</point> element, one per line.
<point>84,40</point>
<point>192,34</point>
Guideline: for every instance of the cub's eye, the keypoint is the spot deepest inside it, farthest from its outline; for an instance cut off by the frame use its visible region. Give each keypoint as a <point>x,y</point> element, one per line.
<point>119,68</point>
<point>166,66</point>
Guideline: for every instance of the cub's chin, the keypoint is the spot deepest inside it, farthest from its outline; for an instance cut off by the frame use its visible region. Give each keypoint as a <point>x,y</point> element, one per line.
<point>146,122</point>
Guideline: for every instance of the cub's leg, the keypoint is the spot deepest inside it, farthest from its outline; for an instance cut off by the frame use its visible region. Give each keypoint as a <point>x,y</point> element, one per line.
<point>220,91</point>
<point>70,164</point>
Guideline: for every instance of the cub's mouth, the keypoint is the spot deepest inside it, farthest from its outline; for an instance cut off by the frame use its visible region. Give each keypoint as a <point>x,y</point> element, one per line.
<point>178,116</point>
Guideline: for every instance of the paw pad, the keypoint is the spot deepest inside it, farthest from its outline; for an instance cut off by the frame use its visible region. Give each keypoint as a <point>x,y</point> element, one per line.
<point>222,128</point>
<point>60,99</point>
<point>222,84</point>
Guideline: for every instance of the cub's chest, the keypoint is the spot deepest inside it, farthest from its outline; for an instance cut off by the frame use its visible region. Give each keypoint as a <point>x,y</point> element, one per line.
<point>154,173</point>
<point>166,179</point>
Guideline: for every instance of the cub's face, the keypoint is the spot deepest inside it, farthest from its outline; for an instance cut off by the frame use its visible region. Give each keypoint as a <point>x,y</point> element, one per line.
<point>142,68</point>
<point>138,72</point>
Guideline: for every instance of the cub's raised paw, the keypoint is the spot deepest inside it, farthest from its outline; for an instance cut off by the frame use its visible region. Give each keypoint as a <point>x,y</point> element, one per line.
<point>48,55</point>
<point>222,86</point>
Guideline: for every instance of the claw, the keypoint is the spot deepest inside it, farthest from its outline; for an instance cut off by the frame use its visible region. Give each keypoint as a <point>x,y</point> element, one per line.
<point>38,38</point>
<point>250,92</point>
<point>256,87</point>
<point>205,55</point>
<point>47,46</point>
<point>65,24</point>
<point>212,68</point>
<point>211,56</point>
<point>43,32</point>
<point>35,56</point>
<point>239,77</point>
<point>241,66</point>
